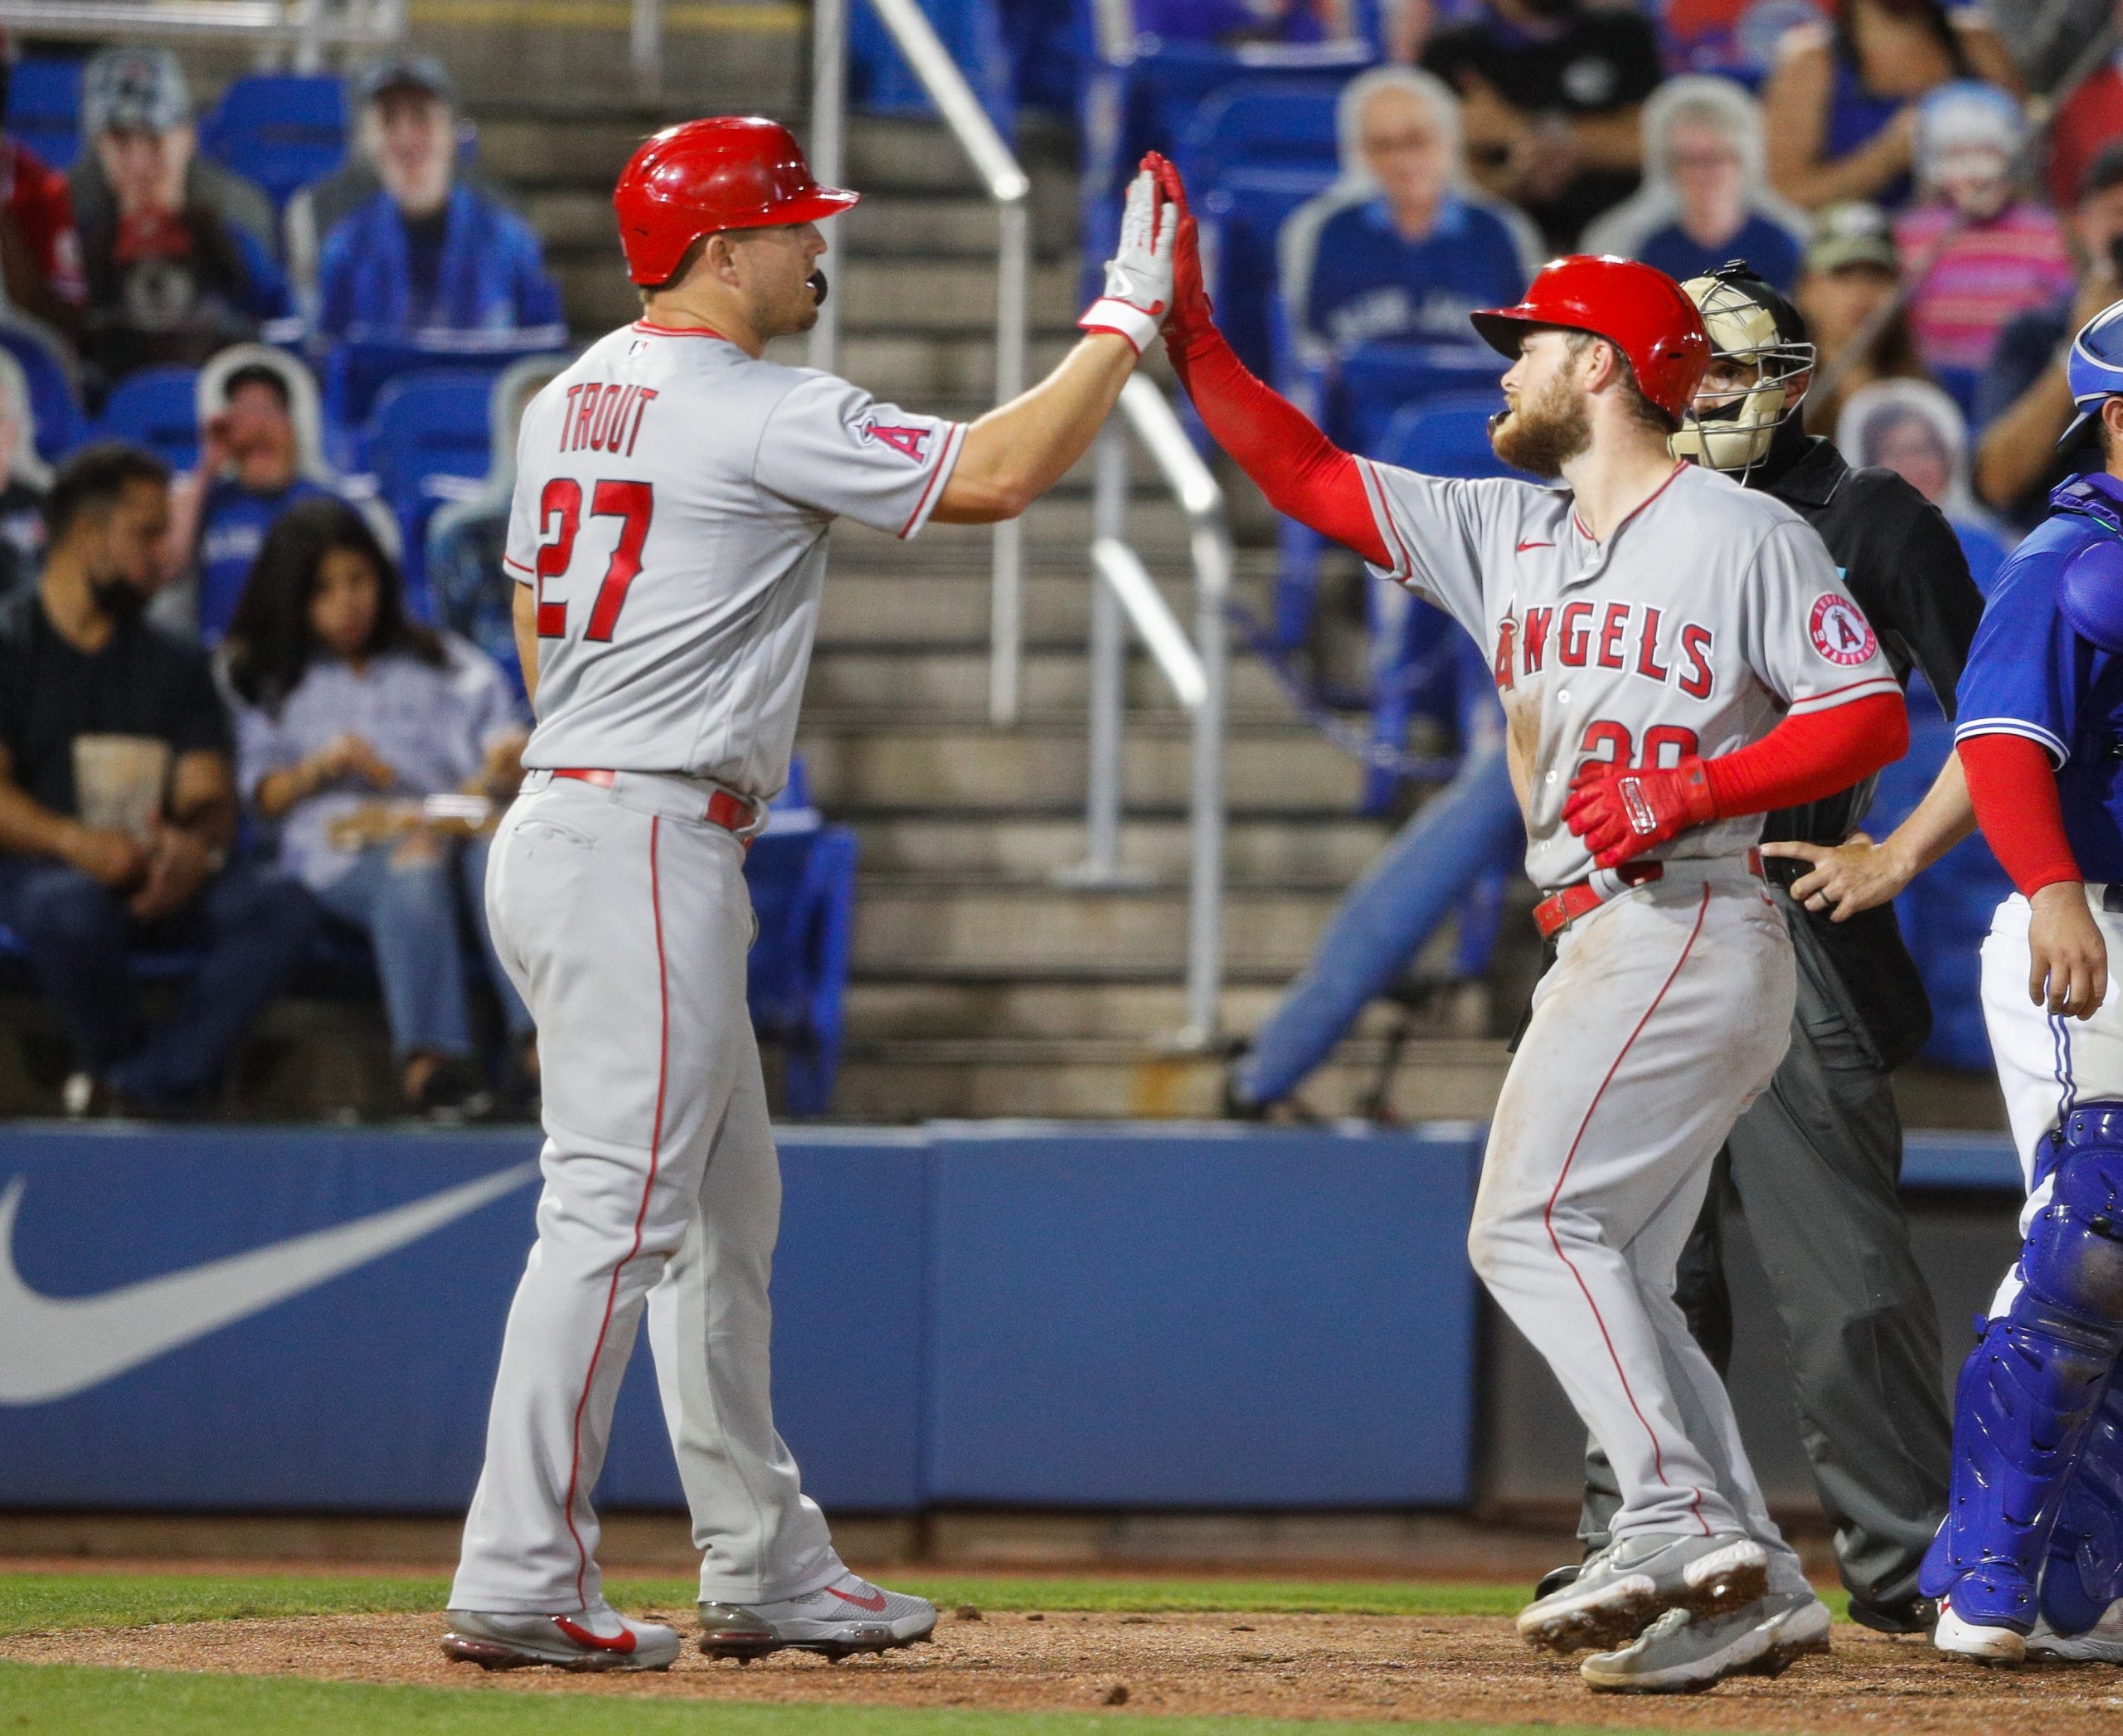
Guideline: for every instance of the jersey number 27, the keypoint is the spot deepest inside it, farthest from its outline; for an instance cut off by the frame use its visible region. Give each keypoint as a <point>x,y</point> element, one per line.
<point>633,501</point>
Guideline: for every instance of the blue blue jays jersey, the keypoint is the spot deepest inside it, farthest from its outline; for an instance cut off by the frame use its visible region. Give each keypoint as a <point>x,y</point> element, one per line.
<point>2030,674</point>
<point>232,526</point>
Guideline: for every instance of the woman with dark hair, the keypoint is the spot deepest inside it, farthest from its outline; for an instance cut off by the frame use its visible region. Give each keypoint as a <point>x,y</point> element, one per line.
<point>1840,109</point>
<point>349,718</point>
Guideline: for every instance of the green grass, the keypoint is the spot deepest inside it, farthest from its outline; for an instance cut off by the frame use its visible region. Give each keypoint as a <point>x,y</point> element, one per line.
<point>64,1700</point>
<point>34,1601</point>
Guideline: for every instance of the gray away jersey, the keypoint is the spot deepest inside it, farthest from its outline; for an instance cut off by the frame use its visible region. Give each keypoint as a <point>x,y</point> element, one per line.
<point>672,497</point>
<point>1709,614</point>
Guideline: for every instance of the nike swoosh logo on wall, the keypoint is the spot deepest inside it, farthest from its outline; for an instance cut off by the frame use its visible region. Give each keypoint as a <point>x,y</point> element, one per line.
<point>53,1347</point>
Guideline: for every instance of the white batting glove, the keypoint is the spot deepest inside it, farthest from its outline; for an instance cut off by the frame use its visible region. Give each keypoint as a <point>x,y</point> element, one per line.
<point>1138,276</point>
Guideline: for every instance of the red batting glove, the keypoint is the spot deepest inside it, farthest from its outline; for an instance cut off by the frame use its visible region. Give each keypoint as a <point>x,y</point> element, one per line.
<point>1191,314</point>
<point>1621,813</point>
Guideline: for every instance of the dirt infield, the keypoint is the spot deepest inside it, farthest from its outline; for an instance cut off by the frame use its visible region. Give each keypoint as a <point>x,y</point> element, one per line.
<point>1269,1666</point>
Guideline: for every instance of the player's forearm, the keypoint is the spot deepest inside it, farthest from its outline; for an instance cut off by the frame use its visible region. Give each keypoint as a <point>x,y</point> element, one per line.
<point>2015,452</point>
<point>1811,756</point>
<point>1609,141</point>
<point>27,828</point>
<point>1941,820</point>
<point>1304,475</point>
<point>1020,449</point>
<point>2014,794</point>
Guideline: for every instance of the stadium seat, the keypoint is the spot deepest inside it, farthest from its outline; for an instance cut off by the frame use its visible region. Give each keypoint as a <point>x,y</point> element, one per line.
<point>801,875</point>
<point>1374,383</point>
<point>44,109</point>
<point>157,408</point>
<point>881,82</point>
<point>356,370</point>
<point>1260,123</point>
<point>428,442</point>
<point>1244,210</point>
<point>55,401</point>
<point>280,130</point>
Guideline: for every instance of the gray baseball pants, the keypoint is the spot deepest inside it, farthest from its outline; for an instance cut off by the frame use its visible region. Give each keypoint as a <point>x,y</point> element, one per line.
<point>623,919</point>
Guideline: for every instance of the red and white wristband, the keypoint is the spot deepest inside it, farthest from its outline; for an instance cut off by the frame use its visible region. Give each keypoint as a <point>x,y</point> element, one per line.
<point>1110,315</point>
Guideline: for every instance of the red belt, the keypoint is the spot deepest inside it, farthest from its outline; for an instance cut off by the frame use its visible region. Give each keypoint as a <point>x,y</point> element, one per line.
<point>1581,897</point>
<point>732,813</point>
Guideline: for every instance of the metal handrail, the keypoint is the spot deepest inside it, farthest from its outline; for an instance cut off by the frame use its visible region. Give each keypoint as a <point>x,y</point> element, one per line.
<point>1010,187</point>
<point>1196,674</point>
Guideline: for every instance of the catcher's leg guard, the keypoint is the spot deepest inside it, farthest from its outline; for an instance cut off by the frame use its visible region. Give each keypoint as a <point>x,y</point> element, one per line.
<point>2027,1393</point>
<point>2085,1574</point>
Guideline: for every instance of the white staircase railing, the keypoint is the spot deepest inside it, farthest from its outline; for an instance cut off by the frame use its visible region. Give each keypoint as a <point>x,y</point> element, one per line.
<point>1125,594</point>
<point>1009,186</point>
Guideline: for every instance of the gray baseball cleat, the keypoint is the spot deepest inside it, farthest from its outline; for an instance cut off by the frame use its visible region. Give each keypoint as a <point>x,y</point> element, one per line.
<point>2101,1644</point>
<point>849,1616</point>
<point>597,1638</point>
<point>1618,1591</point>
<point>1681,1653</point>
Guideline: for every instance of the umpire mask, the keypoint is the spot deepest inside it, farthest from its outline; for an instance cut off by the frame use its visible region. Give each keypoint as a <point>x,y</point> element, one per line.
<point>1759,338</point>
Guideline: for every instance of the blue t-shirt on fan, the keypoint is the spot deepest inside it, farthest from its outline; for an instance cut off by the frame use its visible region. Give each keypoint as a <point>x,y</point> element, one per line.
<point>1767,246</point>
<point>232,526</point>
<point>1366,282</point>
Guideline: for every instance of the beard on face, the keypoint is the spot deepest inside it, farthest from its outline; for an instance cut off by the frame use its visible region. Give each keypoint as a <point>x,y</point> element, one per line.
<point>117,600</point>
<point>1543,433</point>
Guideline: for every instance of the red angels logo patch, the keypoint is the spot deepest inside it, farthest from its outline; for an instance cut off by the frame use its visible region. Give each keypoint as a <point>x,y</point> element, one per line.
<point>908,442</point>
<point>1840,632</point>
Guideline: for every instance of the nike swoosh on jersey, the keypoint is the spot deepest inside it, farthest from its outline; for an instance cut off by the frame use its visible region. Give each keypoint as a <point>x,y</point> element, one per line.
<point>1523,546</point>
<point>53,1347</point>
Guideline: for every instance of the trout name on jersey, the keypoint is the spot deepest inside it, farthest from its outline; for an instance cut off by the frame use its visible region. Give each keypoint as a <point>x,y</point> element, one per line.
<point>1629,636</point>
<point>602,416</point>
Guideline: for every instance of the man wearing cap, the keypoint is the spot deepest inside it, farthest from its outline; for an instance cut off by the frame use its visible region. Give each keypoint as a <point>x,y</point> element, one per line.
<point>1850,274</point>
<point>1676,655</point>
<point>673,498</point>
<point>176,266</point>
<point>2025,402</point>
<point>425,252</point>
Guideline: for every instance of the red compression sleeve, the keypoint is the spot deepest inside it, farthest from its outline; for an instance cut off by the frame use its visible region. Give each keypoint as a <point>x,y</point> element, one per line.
<point>1303,473</point>
<point>1811,756</point>
<point>2015,796</point>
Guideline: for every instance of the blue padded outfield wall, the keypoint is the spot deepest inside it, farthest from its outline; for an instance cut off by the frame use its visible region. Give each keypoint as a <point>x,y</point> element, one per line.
<point>1054,1315</point>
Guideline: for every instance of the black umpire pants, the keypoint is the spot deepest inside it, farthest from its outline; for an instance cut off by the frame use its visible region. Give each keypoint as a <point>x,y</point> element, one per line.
<point>1815,1166</point>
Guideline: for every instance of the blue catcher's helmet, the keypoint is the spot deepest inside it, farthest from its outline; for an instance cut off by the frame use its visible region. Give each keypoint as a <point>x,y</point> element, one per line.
<point>2096,368</point>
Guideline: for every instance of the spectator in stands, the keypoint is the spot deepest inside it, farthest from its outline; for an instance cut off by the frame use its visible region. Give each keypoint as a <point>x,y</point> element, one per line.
<point>24,482</point>
<point>1973,252</point>
<point>1848,285</point>
<point>427,253</point>
<point>117,808</point>
<point>1402,248</point>
<point>1914,428</point>
<point>1551,92</point>
<point>40,250</point>
<point>473,594</point>
<point>2087,122</point>
<point>1704,200</point>
<point>351,714</point>
<point>252,468</point>
<point>172,277</point>
<point>1734,39</point>
<point>1840,109</point>
<point>2024,404</point>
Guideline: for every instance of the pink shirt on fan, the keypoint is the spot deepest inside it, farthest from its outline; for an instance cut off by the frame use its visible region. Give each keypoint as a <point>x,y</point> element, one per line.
<point>1984,275</point>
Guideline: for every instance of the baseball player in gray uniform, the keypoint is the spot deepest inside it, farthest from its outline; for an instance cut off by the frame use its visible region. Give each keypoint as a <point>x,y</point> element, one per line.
<point>673,498</point>
<point>1675,656</point>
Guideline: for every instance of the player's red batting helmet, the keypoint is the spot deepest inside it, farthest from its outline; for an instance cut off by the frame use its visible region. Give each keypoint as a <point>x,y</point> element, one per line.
<point>1637,308</point>
<point>732,172</point>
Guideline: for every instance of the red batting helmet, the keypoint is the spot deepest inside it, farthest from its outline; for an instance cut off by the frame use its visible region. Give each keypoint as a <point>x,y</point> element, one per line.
<point>732,172</point>
<point>1637,308</point>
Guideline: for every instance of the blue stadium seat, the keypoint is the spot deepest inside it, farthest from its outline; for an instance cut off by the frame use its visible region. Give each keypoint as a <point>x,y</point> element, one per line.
<point>1446,435</point>
<point>280,130</point>
<point>44,109</point>
<point>53,400</point>
<point>881,80</point>
<point>1260,123</point>
<point>357,370</point>
<point>1245,210</point>
<point>1374,383</point>
<point>157,408</point>
<point>801,875</point>
<point>427,441</point>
